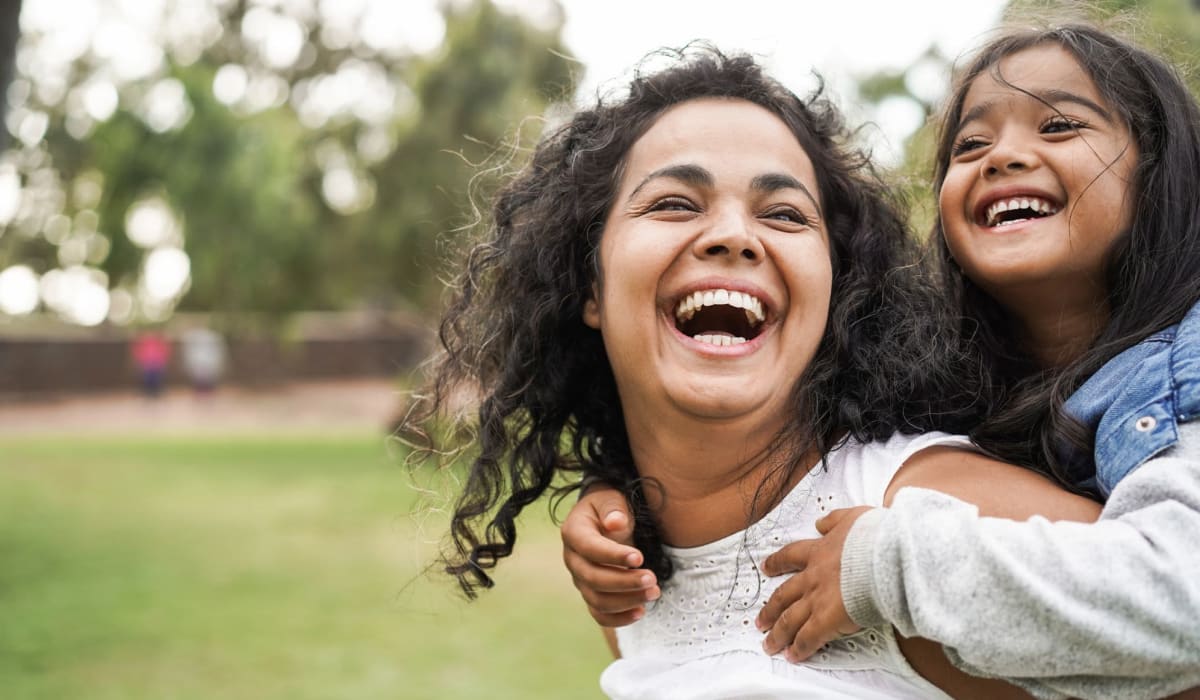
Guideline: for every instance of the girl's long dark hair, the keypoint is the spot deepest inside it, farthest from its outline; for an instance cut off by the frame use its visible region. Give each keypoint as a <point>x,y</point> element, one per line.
<point>1152,271</point>
<point>548,412</point>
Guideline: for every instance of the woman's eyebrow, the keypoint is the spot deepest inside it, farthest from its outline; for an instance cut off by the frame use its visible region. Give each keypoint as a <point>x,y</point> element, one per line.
<point>773,182</point>
<point>687,173</point>
<point>1050,97</point>
<point>699,177</point>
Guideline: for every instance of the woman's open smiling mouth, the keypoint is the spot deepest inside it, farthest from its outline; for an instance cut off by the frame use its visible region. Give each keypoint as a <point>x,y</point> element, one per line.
<point>720,317</point>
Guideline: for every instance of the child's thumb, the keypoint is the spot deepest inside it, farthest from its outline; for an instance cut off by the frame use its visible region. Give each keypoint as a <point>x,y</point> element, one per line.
<point>616,519</point>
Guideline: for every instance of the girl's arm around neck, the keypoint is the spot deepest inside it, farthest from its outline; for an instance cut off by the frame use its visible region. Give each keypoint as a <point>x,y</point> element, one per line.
<point>996,488</point>
<point>1104,609</point>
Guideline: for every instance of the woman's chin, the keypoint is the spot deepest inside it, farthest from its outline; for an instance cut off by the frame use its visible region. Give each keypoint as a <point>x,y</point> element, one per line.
<point>725,398</point>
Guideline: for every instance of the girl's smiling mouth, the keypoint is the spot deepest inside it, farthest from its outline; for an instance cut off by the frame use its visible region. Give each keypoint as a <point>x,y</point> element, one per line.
<point>1008,208</point>
<point>720,317</point>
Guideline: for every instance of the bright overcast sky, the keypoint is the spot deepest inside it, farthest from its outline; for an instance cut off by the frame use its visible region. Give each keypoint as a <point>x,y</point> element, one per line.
<point>840,39</point>
<point>836,37</point>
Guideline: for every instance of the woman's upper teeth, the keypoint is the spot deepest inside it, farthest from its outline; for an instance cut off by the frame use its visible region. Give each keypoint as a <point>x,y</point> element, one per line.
<point>1036,204</point>
<point>688,305</point>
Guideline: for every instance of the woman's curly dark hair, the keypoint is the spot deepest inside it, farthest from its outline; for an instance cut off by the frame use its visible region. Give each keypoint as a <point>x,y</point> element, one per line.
<point>1151,276</point>
<point>549,414</point>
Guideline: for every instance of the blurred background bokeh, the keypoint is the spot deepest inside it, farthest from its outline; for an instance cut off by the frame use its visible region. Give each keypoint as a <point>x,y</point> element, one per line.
<point>224,231</point>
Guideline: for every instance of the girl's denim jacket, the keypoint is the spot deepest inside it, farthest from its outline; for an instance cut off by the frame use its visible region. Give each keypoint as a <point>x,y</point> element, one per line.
<point>1137,400</point>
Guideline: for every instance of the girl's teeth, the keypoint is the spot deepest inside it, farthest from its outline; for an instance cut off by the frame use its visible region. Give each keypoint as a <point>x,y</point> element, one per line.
<point>1039,206</point>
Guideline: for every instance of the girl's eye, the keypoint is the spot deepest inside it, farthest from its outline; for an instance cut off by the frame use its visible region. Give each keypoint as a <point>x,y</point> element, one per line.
<point>787,214</point>
<point>672,204</point>
<point>1061,124</point>
<point>967,144</point>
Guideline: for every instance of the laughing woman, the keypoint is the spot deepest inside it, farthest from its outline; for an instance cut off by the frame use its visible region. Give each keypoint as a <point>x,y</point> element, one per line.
<point>699,294</point>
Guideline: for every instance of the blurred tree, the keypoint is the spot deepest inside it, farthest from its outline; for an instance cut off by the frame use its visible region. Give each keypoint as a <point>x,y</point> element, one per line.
<point>1169,27</point>
<point>10,11</point>
<point>297,159</point>
<point>492,71</point>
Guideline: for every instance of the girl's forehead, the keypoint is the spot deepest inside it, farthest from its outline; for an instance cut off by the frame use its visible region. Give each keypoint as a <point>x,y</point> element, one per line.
<point>1032,72</point>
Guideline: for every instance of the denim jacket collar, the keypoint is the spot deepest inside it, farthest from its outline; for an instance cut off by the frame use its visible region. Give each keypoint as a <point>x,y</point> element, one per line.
<point>1135,402</point>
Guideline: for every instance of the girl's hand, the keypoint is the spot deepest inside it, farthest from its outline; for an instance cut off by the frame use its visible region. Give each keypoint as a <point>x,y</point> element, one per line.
<point>596,549</point>
<point>807,610</point>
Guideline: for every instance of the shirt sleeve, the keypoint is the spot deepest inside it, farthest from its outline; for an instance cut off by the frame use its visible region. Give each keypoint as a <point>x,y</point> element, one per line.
<point>1109,609</point>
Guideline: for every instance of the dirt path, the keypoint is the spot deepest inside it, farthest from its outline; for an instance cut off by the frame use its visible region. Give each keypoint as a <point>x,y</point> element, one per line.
<point>338,406</point>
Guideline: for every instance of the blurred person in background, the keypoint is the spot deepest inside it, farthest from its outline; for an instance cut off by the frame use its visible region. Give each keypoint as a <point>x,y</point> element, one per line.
<point>203,358</point>
<point>151,352</point>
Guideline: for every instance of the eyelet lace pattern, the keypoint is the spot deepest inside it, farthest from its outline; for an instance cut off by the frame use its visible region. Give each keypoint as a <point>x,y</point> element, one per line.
<point>709,606</point>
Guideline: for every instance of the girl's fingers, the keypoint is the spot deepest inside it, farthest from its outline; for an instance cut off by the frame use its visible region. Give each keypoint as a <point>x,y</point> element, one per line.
<point>790,558</point>
<point>805,643</point>
<point>784,630</point>
<point>788,594</point>
<point>619,619</point>
<point>824,525</point>
<point>583,536</point>
<point>603,604</point>
<point>607,579</point>
<point>611,510</point>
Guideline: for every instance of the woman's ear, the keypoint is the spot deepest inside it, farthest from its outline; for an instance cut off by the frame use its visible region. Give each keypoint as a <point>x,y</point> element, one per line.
<point>591,310</point>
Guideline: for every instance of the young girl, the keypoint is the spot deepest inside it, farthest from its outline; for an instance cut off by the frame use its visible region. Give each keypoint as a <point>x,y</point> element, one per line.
<point>1069,228</point>
<point>698,294</point>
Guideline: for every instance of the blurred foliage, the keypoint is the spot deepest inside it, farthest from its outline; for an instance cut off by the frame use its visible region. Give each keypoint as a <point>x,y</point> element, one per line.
<point>256,189</point>
<point>10,10</point>
<point>493,73</point>
<point>1170,28</point>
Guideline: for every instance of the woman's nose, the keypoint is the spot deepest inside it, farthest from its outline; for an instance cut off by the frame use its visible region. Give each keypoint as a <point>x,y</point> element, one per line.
<point>730,236</point>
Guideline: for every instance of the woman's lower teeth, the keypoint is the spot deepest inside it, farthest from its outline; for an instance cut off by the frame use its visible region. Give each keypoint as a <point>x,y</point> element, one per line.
<point>719,339</point>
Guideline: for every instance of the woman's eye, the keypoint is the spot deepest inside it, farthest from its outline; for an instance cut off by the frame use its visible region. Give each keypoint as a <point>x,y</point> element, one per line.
<point>1058,125</point>
<point>966,145</point>
<point>787,214</point>
<point>672,204</point>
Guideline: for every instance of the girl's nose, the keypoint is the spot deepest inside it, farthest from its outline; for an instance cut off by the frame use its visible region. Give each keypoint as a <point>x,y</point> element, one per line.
<point>1011,166</point>
<point>732,237</point>
<point>1007,158</point>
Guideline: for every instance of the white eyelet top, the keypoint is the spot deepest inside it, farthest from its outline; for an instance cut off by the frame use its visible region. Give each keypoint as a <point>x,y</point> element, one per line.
<point>698,641</point>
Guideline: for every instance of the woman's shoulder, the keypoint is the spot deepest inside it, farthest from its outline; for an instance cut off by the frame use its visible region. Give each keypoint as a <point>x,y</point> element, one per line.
<point>898,446</point>
<point>865,469</point>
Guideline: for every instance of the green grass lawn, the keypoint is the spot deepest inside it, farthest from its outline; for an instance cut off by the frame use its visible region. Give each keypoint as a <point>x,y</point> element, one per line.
<point>286,567</point>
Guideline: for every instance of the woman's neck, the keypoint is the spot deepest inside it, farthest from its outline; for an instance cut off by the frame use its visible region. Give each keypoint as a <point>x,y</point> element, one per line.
<point>712,479</point>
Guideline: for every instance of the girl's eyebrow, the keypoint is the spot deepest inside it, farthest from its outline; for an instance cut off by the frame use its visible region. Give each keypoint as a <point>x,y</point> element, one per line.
<point>699,177</point>
<point>1050,96</point>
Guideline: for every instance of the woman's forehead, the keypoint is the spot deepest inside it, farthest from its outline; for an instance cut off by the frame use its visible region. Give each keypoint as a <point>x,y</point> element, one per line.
<point>736,136</point>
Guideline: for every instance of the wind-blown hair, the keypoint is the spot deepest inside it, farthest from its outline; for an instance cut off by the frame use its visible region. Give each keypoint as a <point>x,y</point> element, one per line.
<point>513,333</point>
<point>1151,274</point>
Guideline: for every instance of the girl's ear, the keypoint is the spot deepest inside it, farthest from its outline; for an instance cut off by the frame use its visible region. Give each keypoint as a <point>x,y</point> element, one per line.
<point>591,310</point>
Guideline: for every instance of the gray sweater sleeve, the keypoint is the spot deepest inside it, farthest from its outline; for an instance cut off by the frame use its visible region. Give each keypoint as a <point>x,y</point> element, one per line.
<point>1100,610</point>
